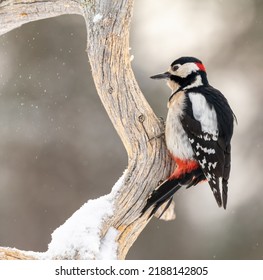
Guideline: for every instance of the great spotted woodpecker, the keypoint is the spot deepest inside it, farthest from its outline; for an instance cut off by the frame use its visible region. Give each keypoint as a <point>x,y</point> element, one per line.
<point>198,132</point>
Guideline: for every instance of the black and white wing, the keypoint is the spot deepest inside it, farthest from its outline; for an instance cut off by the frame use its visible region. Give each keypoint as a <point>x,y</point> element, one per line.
<point>209,138</point>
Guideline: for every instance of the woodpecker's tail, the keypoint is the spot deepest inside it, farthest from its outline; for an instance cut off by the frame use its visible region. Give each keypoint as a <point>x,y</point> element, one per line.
<point>226,173</point>
<point>165,192</point>
<point>224,192</point>
<point>168,188</point>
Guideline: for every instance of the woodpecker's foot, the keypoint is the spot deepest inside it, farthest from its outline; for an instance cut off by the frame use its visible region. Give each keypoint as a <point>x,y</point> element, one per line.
<point>162,121</point>
<point>162,134</point>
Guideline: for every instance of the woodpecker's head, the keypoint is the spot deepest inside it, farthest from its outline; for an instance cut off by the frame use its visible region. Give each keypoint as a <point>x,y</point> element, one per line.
<point>185,72</point>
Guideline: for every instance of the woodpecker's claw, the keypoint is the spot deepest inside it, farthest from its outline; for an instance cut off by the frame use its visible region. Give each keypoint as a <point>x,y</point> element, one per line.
<point>162,134</point>
<point>157,136</point>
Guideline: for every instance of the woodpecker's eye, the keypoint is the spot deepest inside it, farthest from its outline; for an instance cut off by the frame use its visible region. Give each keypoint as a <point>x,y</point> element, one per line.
<point>175,67</point>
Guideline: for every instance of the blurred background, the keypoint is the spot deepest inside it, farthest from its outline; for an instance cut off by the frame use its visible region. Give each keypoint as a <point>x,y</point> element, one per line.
<point>53,126</point>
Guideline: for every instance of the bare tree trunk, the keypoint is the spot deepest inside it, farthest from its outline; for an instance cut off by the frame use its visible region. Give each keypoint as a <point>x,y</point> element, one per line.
<point>108,24</point>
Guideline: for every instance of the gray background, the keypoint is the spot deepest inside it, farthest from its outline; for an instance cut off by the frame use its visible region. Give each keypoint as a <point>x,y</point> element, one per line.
<point>58,148</point>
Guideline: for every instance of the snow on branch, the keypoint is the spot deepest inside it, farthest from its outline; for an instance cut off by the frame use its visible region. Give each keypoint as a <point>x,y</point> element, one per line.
<point>80,236</point>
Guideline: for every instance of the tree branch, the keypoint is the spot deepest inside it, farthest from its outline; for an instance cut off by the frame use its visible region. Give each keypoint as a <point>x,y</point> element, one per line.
<point>14,254</point>
<point>14,13</point>
<point>117,216</point>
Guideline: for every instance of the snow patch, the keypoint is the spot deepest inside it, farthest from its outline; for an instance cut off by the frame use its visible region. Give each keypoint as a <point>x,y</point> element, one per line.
<point>81,233</point>
<point>109,246</point>
<point>97,18</point>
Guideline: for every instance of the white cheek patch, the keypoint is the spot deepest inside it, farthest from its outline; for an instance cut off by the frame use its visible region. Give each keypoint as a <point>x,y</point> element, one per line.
<point>186,69</point>
<point>205,114</point>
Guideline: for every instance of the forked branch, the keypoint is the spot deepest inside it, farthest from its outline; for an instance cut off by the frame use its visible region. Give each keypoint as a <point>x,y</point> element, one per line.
<point>117,216</point>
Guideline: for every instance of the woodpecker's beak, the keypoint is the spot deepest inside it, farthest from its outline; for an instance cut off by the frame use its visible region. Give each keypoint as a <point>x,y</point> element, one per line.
<point>165,75</point>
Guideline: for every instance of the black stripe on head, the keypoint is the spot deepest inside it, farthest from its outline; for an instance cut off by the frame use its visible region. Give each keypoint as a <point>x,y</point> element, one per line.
<point>184,82</point>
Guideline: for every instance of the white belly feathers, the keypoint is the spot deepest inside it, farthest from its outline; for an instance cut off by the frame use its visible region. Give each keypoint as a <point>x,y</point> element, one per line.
<point>176,139</point>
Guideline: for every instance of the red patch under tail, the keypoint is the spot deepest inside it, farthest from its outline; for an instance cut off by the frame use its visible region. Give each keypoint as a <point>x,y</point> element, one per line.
<point>183,167</point>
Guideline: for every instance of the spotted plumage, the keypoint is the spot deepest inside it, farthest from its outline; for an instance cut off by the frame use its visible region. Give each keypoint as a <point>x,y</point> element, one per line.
<point>198,132</point>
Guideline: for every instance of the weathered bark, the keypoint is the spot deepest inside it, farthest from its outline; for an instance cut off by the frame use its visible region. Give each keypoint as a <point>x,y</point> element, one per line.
<point>108,24</point>
<point>14,13</point>
<point>14,254</point>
